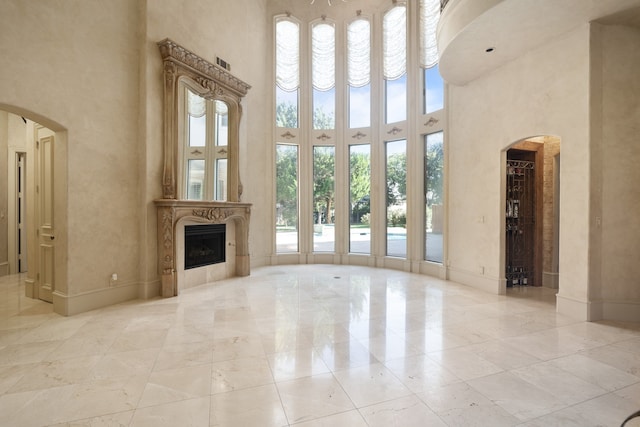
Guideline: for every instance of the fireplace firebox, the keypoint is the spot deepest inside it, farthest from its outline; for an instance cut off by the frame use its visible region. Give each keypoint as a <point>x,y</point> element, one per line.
<point>204,245</point>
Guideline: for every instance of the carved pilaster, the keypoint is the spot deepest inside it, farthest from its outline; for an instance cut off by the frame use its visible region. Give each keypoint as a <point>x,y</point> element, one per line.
<point>166,250</point>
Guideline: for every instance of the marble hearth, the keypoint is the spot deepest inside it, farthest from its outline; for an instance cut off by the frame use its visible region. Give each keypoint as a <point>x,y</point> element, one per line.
<point>174,214</point>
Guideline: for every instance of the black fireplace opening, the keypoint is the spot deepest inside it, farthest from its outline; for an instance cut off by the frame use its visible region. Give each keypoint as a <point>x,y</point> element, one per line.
<point>204,245</point>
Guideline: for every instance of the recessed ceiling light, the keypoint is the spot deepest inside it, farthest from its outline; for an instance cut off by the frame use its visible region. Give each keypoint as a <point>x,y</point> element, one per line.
<point>489,49</point>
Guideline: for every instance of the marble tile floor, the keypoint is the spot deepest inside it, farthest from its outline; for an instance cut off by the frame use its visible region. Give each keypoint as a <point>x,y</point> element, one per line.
<point>316,345</point>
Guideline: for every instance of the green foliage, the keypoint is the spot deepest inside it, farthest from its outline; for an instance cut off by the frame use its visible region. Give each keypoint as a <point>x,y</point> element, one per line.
<point>396,179</point>
<point>366,219</point>
<point>286,115</point>
<point>322,120</point>
<point>397,216</point>
<point>287,185</point>
<point>323,183</point>
<point>434,162</point>
<point>360,185</point>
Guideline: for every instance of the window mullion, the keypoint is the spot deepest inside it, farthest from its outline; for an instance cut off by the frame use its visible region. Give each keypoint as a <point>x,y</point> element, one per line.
<point>210,150</point>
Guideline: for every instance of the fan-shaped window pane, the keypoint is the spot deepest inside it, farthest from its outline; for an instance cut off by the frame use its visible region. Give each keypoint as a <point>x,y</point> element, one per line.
<point>359,53</point>
<point>287,55</point>
<point>429,16</point>
<point>323,56</point>
<point>394,35</point>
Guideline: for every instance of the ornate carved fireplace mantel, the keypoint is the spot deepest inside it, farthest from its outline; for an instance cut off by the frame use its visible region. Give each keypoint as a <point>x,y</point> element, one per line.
<point>188,75</point>
<point>171,212</point>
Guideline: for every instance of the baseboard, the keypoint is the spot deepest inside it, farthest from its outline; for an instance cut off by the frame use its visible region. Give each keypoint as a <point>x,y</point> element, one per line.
<point>29,287</point>
<point>432,269</point>
<point>150,290</point>
<point>621,311</point>
<point>481,282</point>
<point>4,268</point>
<point>550,280</point>
<point>69,305</point>
<point>576,309</point>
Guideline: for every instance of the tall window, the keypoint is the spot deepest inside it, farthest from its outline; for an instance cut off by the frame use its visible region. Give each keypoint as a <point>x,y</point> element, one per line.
<point>396,174</point>
<point>287,72</point>
<point>286,198</point>
<point>205,153</point>
<point>360,198</point>
<point>323,66</point>
<point>394,37</point>
<point>359,72</point>
<point>323,198</point>
<point>434,197</point>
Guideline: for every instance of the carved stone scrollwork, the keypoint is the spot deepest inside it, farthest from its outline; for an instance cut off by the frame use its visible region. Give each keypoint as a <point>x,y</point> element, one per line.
<point>169,49</point>
<point>213,214</point>
<point>359,136</point>
<point>394,131</point>
<point>323,137</point>
<point>432,121</point>
<point>288,135</point>
<point>170,72</point>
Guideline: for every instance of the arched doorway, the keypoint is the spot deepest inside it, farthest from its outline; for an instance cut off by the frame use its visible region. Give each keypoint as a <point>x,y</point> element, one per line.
<point>35,196</point>
<point>530,189</point>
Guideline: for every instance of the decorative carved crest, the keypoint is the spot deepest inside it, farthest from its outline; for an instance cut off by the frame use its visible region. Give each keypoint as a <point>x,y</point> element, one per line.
<point>432,121</point>
<point>359,136</point>
<point>394,131</point>
<point>172,51</point>
<point>213,214</point>
<point>196,152</point>
<point>288,135</point>
<point>323,137</point>
<point>222,151</point>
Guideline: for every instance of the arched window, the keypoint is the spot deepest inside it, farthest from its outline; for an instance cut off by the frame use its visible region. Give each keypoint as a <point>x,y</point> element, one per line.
<point>287,72</point>
<point>355,151</point>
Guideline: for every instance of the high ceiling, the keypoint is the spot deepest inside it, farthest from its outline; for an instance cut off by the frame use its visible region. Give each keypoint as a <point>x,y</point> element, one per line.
<point>510,27</point>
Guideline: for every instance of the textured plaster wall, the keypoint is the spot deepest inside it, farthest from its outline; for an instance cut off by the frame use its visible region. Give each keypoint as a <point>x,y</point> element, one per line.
<point>4,205</point>
<point>551,150</point>
<point>238,32</point>
<point>74,64</point>
<point>620,157</point>
<point>543,92</point>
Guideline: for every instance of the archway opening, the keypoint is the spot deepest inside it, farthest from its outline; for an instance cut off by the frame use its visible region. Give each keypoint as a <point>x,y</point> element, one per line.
<point>531,213</point>
<point>33,202</point>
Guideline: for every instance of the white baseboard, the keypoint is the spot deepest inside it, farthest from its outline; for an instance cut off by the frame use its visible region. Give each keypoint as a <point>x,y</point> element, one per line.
<point>550,280</point>
<point>67,305</point>
<point>575,308</point>
<point>621,311</point>
<point>4,268</point>
<point>150,289</point>
<point>477,281</point>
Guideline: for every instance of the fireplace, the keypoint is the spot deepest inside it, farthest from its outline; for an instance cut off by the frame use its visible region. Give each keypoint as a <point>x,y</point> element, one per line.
<point>204,245</point>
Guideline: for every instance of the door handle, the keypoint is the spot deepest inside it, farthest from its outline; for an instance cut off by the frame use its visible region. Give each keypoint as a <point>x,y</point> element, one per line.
<point>52,237</point>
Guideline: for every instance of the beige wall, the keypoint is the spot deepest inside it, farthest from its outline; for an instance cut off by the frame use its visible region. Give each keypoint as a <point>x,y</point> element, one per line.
<point>616,175</point>
<point>78,70</point>
<point>544,92</point>
<point>4,202</point>
<point>75,69</point>
<point>549,223</point>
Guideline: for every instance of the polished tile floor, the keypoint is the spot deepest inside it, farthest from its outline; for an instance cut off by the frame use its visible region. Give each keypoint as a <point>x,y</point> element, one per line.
<point>316,346</point>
